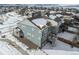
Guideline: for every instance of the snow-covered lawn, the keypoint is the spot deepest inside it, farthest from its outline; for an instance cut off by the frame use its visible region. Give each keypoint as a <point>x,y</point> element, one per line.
<point>72,29</point>
<point>6,29</point>
<point>6,49</point>
<point>11,22</point>
<point>66,35</point>
<point>61,47</point>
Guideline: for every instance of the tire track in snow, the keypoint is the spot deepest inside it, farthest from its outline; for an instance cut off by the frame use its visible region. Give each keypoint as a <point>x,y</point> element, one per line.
<point>15,46</point>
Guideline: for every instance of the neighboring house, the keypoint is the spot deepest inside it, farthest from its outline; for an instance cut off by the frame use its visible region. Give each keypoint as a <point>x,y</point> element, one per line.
<point>56,18</point>
<point>76,16</point>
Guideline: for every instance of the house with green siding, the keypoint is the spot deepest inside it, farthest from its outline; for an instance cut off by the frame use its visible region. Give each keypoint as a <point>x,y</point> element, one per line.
<point>37,30</point>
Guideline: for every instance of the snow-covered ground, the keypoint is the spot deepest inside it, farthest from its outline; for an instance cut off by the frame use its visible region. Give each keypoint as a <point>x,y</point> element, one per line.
<point>61,47</point>
<point>60,52</point>
<point>6,29</point>
<point>11,22</point>
<point>20,44</point>
<point>72,29</point>
<point>67,35</point>
<point>6,48</point>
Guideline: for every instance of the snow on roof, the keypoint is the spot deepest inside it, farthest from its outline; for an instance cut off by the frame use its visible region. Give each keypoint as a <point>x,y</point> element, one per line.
<point>52,11</point>
<point>59,15</point>
<point>40,22</point>
<point>66,16</point>
<point>54,23</point>
<point>27,22</point>
<point>52,17</point>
